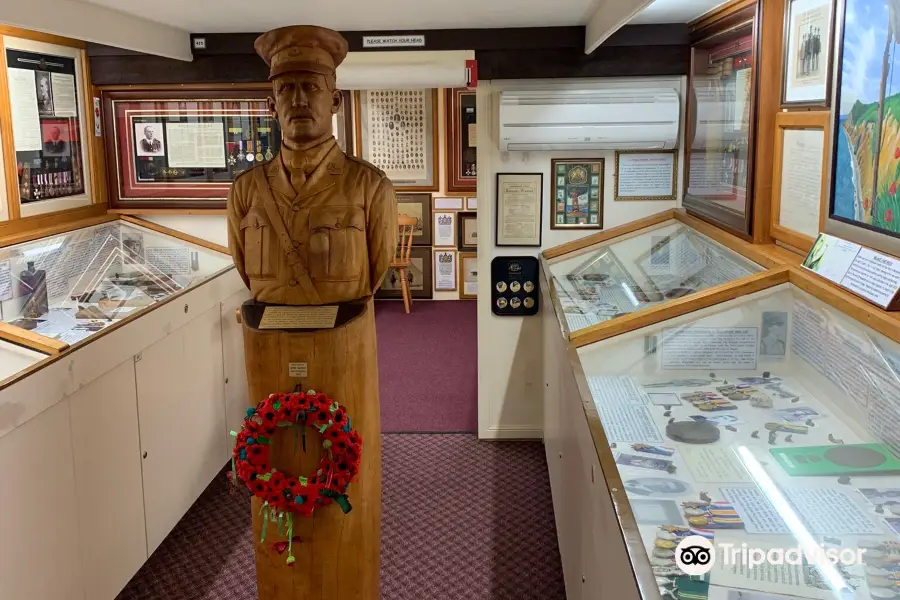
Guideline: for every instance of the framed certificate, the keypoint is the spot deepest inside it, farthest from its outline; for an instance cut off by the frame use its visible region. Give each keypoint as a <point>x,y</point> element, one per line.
<point>519,206</point>
<point>445,270</point>
<point>445,229</point>
<point>461,141</point>
<point>468,231</point>
<point>577,193</point>
<point>395,131</point>
<point>646,175</point>
<point>468,275</point>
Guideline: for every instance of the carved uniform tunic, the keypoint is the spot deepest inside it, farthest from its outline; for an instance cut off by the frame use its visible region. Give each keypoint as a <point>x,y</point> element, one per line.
<point>340,214</point>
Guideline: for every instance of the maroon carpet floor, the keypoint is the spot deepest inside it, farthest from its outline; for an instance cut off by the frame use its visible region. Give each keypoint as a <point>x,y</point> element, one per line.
<point>461,520</point>
<point>428,366</point>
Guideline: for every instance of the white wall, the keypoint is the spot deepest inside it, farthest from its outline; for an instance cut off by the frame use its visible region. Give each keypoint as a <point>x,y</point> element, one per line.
<point>510,370</point>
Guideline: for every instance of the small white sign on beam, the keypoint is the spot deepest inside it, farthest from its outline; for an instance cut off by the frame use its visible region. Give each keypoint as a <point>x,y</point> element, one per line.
<point>393,41</point>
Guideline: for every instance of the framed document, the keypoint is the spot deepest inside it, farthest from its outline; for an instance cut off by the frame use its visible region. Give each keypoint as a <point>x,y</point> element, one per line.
<point>418,276</point>
<point>184,149</point>
<point>468,231</point>
<point>468,275</point>
<point>799,177</point>
<point>646,175</point>
<point>806,65</point>
<point>577,193</point>
<point>519,205</point>
<point>461,141</point>
<point>445,229</point>
<point>395,131</point>
<point>448,203</point>
<point>472,203</point>
<point>445,270</point>
<point>418,206</point>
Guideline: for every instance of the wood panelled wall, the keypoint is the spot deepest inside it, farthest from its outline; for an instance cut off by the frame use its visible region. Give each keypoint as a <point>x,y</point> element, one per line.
<point>513,53</point>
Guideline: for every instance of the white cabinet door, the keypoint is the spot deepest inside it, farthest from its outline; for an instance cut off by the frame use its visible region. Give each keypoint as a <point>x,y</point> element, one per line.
<point>39,554</point>
<point>109,487</point>
<point>236,399</point>
<point>574,490</point>
<point>181,409</point>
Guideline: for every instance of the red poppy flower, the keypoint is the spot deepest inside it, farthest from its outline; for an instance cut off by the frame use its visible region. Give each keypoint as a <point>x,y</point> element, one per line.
<point>888,215</point>
<point>277,482</point>
<point>893,189</point>
<point>896,152</point>
<point>322,417</point>
<point>339,417</point>
<point>257,455</point>
<point>260,487</point>
<point>866,203</point>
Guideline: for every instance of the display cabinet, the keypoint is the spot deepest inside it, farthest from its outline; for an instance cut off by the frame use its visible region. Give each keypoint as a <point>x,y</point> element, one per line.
<point>721,117</point>
<point>769,421</point>
<point>70,286</point>
<point>602,278</point>
<point>15,359</point>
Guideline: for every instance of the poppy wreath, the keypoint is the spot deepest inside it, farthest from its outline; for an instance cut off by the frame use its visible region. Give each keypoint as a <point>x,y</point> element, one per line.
<point>284,495</point>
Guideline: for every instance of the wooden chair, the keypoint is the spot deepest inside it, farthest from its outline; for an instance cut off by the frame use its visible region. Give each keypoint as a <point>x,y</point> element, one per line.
<point>402,261</point>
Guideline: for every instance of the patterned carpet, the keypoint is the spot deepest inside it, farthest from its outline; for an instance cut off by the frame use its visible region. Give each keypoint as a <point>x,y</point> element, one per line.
<point>462,520</point>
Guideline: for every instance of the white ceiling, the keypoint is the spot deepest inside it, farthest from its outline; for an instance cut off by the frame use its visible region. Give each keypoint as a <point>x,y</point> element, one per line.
<point>223,16</point>
<point>675,11</point>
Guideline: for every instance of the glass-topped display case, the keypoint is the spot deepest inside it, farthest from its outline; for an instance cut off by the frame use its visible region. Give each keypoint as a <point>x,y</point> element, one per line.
<point>71,285</point>
<point>636,270</point>
<point>767,430</point>
<point>15,358</point>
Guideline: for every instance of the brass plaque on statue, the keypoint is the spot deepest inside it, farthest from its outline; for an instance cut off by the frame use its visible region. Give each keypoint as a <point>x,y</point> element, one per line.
<point>298,317</point>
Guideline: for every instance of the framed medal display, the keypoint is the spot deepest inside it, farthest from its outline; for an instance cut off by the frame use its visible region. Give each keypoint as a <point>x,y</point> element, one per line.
<point>396,131</point>
<point>184,149</point>
<point>461,155</point>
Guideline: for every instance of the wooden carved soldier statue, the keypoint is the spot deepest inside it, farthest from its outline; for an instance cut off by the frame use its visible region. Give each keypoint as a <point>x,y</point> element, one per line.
<point>312,226</point>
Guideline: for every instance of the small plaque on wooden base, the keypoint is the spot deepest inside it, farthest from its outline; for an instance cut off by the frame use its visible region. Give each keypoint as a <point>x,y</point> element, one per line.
<point>298,317</point>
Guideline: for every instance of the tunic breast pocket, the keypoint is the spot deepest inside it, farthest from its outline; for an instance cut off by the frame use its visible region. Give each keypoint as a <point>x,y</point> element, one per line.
<point>337,243</point>
<point>259,262</point>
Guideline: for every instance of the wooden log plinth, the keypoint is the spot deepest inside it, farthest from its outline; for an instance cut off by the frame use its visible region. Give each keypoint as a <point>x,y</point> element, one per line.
<point>337,554</point>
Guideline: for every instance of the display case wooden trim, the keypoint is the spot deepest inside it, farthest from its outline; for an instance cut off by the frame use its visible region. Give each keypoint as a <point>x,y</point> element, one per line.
<point>8,144</point>
<point>31,340</point>
<point>32,228</point>
<point>185,237</point>
<point>137,212</point>
<point>37,36</point>
<point>435,146</point>
<point>738,244</point>
<point>798,120</point>
<point>780,254</point>
<point>681,306</point>
<point>719,22</point>
<point>608,234</point>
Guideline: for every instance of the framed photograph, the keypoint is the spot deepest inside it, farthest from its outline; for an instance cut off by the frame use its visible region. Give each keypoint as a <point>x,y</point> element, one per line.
<point>468,275</point>
<point>342,123</point>
<point>577,193</point>
<point>461,141</point>
<point>445,229</point>
<point>445,270</point>
<point>418,206</point>
<point>646,175</point>
<point>519,206</point>
<point>57,136</point>
<point>806,65</point>
<point>184,149</point>
<point>395,131</point>
<point>468,231</point>
<point>418,276</point>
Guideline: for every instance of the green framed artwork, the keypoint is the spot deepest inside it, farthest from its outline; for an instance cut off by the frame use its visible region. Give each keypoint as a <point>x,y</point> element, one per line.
<point>577,192</point>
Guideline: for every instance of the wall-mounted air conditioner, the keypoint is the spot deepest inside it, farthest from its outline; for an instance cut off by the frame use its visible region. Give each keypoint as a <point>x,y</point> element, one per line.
<point>610,119</point>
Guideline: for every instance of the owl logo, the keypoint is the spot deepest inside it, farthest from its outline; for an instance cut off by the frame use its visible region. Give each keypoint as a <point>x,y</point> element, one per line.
<point>578,175</point>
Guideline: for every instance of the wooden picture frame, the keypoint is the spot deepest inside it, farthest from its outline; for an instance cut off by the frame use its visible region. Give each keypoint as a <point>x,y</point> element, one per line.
<point>461,151</point>
<point>581,181</point>
<point>465,277</point>
<point>418,206</point>
<point>445,221</point>
<point>421,286</point>
<point>521,193</point>
<point>464,242</point>
<point>648,171</point>
<point>799,121</point>
<point>446,260</point>
<point>430,181</point>
<point>817,14</point>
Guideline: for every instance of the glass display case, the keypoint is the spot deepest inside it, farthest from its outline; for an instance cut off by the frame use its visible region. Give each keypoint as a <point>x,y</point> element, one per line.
<point>765,428</point>
<point>636,270</point>
<point>721,120</point>
<point>72,285</point>
<point>15,359</point>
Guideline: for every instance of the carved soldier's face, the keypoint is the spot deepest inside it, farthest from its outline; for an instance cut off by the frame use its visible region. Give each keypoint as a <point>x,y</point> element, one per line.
<point>303,104</point>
